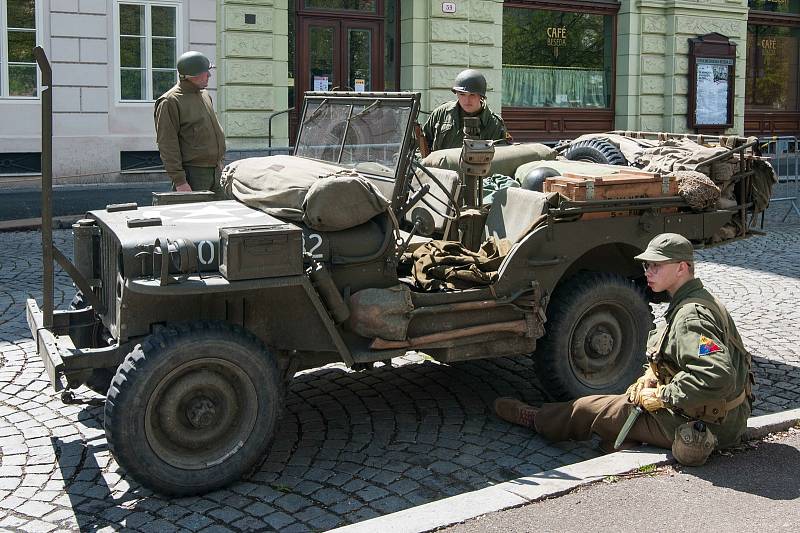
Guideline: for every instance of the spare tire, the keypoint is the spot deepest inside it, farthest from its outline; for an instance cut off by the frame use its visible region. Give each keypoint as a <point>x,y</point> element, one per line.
<point>595,151</point>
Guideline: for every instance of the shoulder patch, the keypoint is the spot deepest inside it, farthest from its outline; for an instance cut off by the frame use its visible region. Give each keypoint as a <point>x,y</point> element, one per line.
<point>707,346</point>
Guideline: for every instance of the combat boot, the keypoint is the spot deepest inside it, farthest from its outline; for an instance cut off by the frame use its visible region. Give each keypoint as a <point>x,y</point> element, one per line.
<point>516,412</point>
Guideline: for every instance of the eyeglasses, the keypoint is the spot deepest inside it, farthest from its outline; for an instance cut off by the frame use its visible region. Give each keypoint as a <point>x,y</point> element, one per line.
<point>655,267</point>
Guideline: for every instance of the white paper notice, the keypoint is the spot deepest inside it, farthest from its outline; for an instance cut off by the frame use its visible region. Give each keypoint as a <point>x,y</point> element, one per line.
<point>320,83</point>
<point>712,94</point>
<point>359,85</point>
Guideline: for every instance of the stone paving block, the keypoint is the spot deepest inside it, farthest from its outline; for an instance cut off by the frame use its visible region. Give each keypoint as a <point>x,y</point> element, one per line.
<point>306,487</point>
<point>158,526</point>
<point>364,513</point>
<point>292,502</point>
<point>370,493</point>
<point>13,522</point>
<point>45,495</point>
<point>11,502</point>
<point>259,509</point>
<point>325,521</point>
<point>226,514</point>
<point>248,523</point>
<point>34,509</point>
<point>194,522</point>
<point>10,471</point>
<point>278,520</point>
<point>38,526</point>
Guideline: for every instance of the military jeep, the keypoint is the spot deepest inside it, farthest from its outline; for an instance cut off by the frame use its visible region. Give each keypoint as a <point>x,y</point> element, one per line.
<point>192,317</point>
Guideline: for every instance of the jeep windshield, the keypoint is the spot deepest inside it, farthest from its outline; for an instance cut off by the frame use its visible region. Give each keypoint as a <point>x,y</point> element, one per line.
<point>364,131</point>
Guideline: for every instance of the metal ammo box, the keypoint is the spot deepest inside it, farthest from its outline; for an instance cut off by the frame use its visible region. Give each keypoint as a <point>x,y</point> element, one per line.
<point>261,251</point>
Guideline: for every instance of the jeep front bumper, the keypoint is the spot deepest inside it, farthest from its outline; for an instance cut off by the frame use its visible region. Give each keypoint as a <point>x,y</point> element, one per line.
<point>58,351</point>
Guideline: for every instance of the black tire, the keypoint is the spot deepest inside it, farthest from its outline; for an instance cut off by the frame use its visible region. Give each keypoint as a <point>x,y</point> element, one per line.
<point>596,336</point>
<point>595,151</point>
<point>193,407</point>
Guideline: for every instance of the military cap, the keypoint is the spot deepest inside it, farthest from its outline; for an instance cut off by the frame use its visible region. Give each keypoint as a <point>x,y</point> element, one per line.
<point>667,247</point>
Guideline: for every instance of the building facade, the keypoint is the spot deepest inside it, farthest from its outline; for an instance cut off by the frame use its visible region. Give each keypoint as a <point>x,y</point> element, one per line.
<point>555,69</point>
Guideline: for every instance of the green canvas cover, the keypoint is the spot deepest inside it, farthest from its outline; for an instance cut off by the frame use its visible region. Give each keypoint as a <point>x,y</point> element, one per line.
<point>275,184</point>
<point>506,158</point>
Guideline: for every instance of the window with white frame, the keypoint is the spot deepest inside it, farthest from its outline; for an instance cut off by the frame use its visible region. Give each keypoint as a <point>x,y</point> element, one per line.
<point>18,71</point>
<point>148,49</point>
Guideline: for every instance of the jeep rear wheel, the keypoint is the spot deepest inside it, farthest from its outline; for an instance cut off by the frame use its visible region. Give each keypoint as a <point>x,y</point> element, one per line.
<point>596,335</point>
<point>193,408</point>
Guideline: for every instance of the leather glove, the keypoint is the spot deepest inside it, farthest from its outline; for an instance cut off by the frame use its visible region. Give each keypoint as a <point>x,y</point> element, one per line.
<point>650,398</point>
<point>647,380</point>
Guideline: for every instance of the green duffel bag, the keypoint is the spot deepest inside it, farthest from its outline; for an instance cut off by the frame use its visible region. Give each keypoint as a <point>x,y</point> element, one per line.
<point>506,157</point>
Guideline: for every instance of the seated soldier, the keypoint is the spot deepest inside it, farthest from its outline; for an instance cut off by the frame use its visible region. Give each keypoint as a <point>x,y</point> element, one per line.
<point>696,391</point>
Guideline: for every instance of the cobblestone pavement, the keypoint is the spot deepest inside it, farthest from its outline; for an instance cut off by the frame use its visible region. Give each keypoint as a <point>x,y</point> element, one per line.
<point>352,445</point>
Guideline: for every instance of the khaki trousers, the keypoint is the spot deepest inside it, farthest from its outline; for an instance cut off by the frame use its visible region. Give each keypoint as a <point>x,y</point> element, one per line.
<point>603,415</point>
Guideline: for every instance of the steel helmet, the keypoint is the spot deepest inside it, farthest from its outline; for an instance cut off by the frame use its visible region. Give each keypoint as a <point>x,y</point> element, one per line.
<point>193,64</point>
<point>470,81</point>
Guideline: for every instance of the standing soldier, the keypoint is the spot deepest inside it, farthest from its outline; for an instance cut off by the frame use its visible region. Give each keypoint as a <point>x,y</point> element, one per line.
<point>190,139</point>
<point>445,126</point>
<point>696,391</point>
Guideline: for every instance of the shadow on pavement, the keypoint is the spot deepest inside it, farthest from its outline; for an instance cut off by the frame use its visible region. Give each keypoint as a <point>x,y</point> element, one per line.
<point>351,446</point>
<point>775,476</point>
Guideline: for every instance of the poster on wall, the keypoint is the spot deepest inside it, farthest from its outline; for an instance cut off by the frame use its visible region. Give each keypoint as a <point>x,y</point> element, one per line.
<point>713,85</point>
<point>320,83</point>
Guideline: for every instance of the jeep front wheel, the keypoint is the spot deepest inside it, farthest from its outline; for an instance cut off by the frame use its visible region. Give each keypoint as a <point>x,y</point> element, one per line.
<point>193,407</point>
<point>596,336</point>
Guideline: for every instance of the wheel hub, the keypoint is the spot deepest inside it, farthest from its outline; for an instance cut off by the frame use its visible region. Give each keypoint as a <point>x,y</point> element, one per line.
<point>602,343</point>
<point>201,412</point>
<point>597,344</point>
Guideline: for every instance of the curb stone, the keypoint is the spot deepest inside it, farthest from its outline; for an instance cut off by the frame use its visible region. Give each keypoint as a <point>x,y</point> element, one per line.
<point>551,483</point>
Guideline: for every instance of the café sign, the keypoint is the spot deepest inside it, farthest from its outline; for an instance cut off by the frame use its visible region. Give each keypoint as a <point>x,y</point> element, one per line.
<point>556,38</point>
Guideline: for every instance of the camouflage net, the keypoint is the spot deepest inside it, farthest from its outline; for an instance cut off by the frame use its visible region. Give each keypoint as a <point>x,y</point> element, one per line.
<point>697,189</point>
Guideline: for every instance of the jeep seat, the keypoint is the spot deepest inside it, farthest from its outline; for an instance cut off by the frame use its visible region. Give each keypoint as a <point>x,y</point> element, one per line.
<point>437,199</point>
<point>513,213</point>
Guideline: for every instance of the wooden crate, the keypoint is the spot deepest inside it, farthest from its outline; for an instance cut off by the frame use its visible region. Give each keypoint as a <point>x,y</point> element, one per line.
<point>623,186</point>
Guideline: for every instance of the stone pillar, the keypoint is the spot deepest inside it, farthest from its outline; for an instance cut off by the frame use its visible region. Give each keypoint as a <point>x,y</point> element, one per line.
<point>653,63</point>
<point>253,56</point>
<point>414,48</point>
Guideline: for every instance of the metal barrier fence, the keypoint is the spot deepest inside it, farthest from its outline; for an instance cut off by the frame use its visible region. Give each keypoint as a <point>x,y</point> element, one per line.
<point>784,154</point>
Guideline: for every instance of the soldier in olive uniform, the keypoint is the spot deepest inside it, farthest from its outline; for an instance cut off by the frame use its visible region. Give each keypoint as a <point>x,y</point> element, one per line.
<point>190,139</point>
<point>698,370</point>
<point>445,125</point>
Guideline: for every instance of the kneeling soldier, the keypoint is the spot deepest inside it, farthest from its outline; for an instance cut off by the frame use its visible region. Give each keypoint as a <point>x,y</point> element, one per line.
<point>696,391</point>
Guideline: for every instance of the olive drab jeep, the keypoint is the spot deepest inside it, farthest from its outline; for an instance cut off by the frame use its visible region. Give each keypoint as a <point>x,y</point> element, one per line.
<point>192,317</point>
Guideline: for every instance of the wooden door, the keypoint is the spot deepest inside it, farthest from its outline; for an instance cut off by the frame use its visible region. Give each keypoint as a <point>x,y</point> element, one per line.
<point>337,53</point>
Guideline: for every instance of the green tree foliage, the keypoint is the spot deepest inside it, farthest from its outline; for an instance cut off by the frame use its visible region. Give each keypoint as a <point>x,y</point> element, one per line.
<point>525,38</point>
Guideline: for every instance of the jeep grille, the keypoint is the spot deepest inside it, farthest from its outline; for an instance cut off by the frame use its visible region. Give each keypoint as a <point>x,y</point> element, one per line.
<point>109,264</point>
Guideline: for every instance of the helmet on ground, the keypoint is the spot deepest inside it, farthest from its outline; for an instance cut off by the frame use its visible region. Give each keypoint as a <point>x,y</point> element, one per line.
<point>693,443</point>
<point>470,81</point>
<point>193,64</point>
